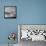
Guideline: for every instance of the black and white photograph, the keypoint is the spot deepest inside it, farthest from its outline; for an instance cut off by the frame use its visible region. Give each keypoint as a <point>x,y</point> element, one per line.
<point>10,12</point>
<point>31,34</point>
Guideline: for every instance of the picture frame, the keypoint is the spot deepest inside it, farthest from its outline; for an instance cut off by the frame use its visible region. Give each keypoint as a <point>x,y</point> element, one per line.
<point>36,32</point>
<point>10,12</point>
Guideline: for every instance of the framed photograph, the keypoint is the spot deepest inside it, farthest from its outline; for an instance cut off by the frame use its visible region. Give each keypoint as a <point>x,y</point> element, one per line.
<point>10,12</point>
<point>32,32</point>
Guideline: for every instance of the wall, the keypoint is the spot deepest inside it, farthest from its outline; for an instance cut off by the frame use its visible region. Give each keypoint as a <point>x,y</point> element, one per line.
<point>28,12</point>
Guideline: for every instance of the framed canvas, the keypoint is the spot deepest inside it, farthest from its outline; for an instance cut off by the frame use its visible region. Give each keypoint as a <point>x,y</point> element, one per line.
<point>10,12</point>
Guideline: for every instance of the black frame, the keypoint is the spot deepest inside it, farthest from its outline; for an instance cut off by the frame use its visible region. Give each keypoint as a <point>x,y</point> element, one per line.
<point>10,17</point>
